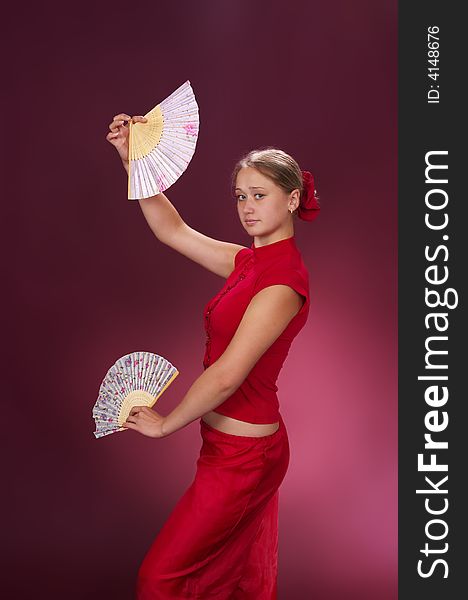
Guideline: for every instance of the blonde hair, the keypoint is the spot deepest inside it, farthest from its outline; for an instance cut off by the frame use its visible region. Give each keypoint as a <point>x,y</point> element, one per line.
<point>275,164</point>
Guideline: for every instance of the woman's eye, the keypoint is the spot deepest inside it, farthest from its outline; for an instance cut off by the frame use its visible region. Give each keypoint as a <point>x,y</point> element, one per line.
<point>242,196</point>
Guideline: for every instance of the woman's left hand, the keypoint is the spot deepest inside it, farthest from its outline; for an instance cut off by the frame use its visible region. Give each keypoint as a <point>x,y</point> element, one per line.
<point>145,420</point>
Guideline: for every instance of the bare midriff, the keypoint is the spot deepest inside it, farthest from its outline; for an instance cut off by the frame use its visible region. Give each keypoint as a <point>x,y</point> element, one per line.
<point>236,427</point>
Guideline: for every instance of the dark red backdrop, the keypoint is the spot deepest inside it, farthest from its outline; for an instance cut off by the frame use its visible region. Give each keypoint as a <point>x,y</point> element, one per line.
<point>91,283</point>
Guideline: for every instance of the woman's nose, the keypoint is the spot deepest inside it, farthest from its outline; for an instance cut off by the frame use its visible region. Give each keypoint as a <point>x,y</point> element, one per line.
<point>248,205</point>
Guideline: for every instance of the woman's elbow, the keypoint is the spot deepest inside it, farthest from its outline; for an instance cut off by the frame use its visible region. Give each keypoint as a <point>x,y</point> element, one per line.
<point>228,379</point>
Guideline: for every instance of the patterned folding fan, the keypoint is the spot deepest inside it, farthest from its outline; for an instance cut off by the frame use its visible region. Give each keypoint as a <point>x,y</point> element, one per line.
<point>136,379</point>
<point>161,148</point>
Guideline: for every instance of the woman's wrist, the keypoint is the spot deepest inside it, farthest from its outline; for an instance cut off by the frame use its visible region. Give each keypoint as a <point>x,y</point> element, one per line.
<point>172,423</point>
<point>164,432</point>
<point>167,428</point>
<point>125,164</point>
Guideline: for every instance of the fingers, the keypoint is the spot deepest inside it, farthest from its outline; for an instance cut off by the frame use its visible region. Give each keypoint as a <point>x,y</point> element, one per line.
<point>122,121</point>
<point>138,409</point>
<point>134,413</point>
<point>116,124</point>
<point>121,117</point>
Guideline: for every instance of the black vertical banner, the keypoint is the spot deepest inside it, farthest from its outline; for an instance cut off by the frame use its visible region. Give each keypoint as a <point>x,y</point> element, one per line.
<point>432,293</point>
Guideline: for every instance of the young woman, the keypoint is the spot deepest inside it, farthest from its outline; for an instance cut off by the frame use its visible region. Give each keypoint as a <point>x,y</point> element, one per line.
<point>221,540</point>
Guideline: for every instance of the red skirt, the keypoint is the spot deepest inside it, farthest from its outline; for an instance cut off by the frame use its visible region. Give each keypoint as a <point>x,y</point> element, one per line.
<point>221,540</point>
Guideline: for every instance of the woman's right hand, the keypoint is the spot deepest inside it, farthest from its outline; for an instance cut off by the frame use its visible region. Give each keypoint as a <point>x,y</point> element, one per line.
<point>119,131</point>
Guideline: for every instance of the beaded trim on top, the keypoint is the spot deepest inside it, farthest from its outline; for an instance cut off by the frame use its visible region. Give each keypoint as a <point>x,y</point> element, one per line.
<point>259,253</point>
<point>214,303</point>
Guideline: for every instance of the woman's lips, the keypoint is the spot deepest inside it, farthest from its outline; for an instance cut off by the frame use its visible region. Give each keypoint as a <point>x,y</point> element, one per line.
<point>251,221</point>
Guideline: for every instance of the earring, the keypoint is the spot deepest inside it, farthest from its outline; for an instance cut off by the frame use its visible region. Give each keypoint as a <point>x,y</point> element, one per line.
<point>291,210</point>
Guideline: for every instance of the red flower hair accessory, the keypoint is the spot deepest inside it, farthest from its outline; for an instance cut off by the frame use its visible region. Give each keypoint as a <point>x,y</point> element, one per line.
<point>309,206</point>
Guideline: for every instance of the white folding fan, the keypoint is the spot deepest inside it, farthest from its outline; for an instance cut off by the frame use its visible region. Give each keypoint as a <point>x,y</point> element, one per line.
<point>160,149</point>
<point>136,379</point>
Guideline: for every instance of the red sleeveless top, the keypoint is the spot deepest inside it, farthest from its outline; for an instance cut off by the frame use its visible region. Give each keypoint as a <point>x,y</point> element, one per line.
<point>255,401</point>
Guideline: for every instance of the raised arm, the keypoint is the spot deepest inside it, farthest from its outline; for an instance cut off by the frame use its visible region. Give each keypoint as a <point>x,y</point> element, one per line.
<point>266,317</point>
<point>166,223</point>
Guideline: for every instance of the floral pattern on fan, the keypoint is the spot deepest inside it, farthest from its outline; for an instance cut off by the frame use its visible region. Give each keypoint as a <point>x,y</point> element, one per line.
<point>161,149</point>
<point>136,379</point>
<point>190,129</point>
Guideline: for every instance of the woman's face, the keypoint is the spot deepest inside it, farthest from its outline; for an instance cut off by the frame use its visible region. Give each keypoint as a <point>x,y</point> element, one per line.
<point>263,207</point>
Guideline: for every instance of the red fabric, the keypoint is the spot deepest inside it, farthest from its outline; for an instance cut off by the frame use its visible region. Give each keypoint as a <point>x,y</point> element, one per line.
<point>221,540</point>
<point>256,401</point>
<point>309,206</point>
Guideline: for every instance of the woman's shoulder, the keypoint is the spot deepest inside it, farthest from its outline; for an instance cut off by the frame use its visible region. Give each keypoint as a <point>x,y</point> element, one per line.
<point>284,271</point>
<point>286,265</point>
<point>242,256</point>
<point>292,262</point>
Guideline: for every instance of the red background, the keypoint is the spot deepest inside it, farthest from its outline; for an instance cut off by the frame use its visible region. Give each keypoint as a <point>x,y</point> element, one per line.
<point>90,282</point>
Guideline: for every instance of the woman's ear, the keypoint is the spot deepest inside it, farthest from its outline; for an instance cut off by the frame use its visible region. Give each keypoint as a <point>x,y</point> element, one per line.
<point>294,199</point>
